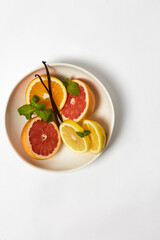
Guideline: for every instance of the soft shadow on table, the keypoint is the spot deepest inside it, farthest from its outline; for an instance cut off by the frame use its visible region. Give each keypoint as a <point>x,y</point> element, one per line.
<point>110,83</point>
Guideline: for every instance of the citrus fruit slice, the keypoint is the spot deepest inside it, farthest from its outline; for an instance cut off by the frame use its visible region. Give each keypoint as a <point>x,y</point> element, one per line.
<point>79,107</point>
<point>39,139</point>
<point>59,92</point>
<point>97,135</point>
<point>71,139</point>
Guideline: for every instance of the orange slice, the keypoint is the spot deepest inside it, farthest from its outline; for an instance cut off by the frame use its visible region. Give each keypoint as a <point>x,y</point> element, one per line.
<point>40,140</point>
<point>59,92</point>
<point>79,107</point>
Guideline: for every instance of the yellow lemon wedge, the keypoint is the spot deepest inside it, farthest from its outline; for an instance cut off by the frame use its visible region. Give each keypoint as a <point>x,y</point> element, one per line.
<point>68,131</point>
<point>97,135</point>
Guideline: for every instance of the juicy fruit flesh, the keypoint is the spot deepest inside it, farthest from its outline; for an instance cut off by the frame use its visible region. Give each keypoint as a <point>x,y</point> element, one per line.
<point>93,136</point>
<point>72,138</point>
<point>43,138</point>
<point>97,135</point>
<point>75,104</point>
<point>40,91</point>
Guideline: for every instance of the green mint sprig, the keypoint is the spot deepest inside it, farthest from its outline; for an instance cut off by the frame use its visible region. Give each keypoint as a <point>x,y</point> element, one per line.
<point>72,87</point>
<point>84,133</point>
<point>39,108</point>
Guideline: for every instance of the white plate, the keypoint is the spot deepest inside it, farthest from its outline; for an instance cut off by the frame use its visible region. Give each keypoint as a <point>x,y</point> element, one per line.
<point>64,160</point>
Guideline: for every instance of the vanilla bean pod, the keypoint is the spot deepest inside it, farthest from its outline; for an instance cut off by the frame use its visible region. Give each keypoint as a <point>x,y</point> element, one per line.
<point>50,91</point>
<point>53,105</point>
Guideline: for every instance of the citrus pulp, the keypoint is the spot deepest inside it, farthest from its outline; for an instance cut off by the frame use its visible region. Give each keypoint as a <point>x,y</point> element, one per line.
<point>59,92</point>
<point>79,107</point>
<point>68,131</point>
<point>40,140</point>
<point>97,135</point>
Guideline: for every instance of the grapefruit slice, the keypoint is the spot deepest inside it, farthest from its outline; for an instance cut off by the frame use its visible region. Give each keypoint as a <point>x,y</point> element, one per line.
<point>59,92</point>
<point>68,131</point>
<point>79,107</point>
<point>40,140</point>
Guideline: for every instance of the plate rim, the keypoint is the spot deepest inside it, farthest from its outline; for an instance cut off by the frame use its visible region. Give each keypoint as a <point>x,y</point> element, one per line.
<point>92,77</point>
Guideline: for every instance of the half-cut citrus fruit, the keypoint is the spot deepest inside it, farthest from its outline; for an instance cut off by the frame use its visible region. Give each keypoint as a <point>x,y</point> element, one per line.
<point>39,139</point>
<point>71,139</point>
<point>97,135</point>
<point>59,92</point>
<point>79,107</point>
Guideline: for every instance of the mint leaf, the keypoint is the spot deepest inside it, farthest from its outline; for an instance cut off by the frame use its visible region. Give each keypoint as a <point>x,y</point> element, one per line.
<point>65,83</point>
<point>45,114</point>
<point>67,80</point>
<point>87,132</point>
<point>35,103</point>
<point>73,88</point>
<point>34,100</point>
<point>81,134</point>
<point>26,110</point>
<point>39,106</point>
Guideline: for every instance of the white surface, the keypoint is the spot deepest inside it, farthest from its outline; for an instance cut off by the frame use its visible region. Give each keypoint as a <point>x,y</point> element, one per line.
<point>117,197</point>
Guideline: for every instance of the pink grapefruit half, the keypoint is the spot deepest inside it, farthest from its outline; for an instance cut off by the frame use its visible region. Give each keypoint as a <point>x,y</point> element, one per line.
<point>79,107</point>
<point>40,140</point>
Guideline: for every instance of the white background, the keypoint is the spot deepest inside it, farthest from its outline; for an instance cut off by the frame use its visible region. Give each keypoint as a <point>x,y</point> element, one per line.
<point>118,196</point>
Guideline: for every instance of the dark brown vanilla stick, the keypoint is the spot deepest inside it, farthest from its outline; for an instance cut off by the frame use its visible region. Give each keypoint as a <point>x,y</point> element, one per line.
<point>50,92</point>
<point>53,107</point>
<point>37,75</point>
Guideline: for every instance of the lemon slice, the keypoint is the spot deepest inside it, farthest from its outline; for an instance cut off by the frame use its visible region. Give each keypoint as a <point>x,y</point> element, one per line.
<point>71,139</point>
<point>97,135</point>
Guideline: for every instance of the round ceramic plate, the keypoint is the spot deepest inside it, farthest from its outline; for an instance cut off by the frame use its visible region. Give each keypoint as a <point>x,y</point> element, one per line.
<point>64,160</point>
